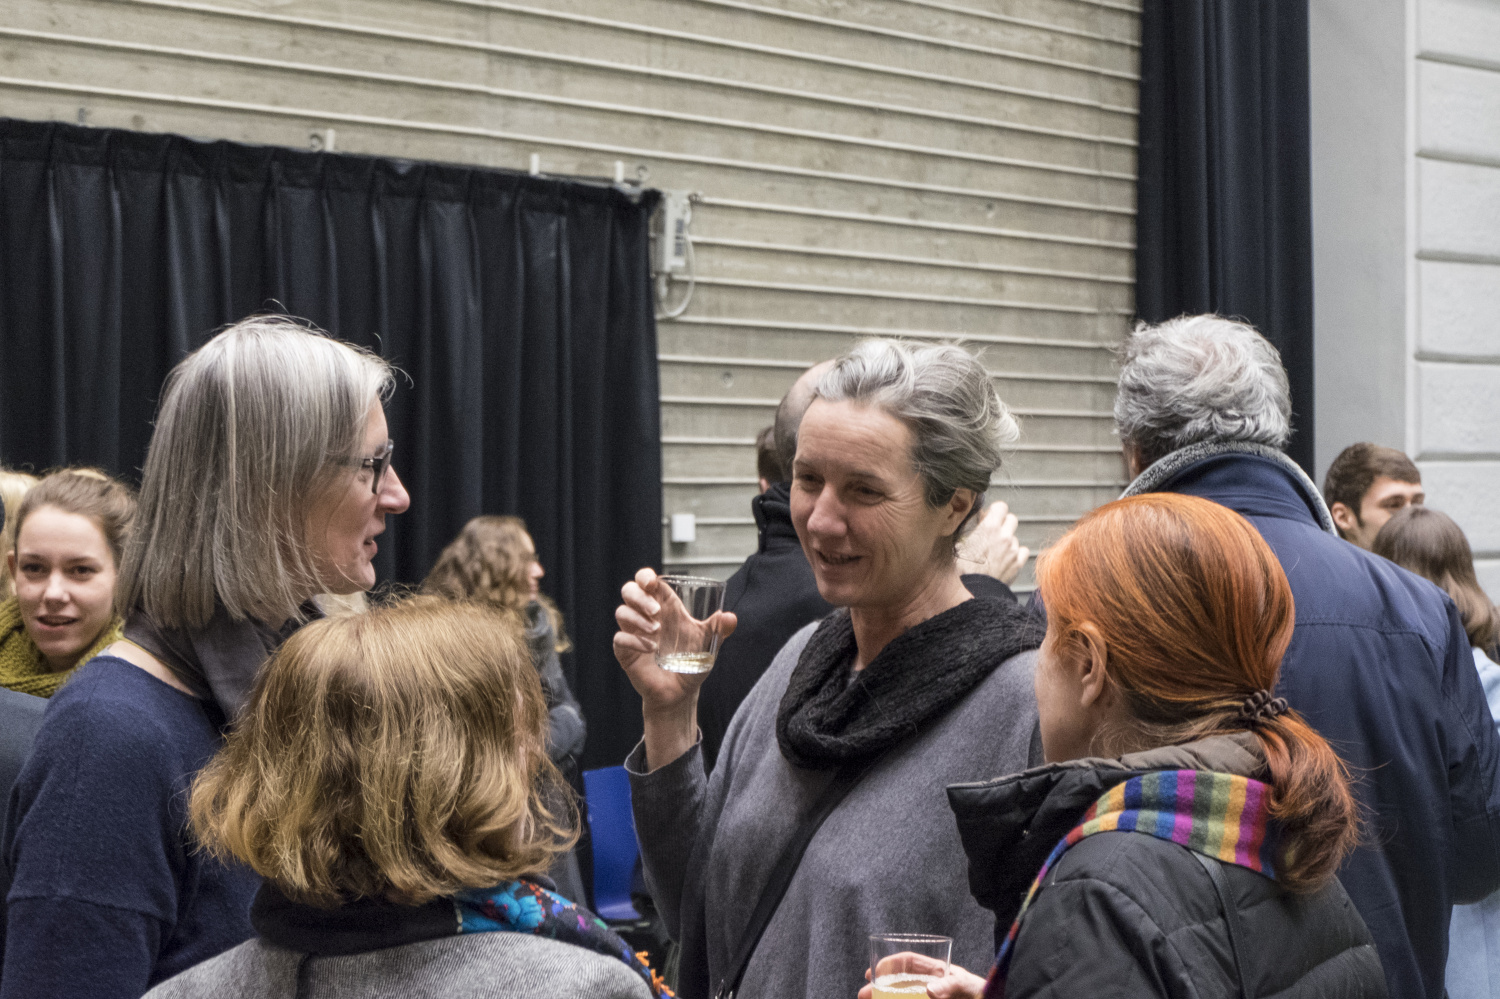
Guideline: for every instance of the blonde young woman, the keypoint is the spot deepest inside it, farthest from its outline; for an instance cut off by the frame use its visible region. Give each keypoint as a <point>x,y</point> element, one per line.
<point>267,481</point>
<point>70,531</point>
<point>389,782</point>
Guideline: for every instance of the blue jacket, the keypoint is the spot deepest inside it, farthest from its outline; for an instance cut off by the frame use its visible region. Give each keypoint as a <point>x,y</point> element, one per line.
<point>1380,665</point>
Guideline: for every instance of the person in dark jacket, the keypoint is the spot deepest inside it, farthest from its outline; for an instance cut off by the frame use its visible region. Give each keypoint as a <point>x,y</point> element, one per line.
<point>774,594</point>
<point>1379,663</point>
<point>1183,837</point>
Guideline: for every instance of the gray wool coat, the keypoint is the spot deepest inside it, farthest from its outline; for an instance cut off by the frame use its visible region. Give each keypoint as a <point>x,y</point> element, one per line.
<point>473,966</point>
<point>888,859</point>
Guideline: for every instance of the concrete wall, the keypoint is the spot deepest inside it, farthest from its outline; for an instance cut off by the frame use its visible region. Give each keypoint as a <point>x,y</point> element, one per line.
<point>1456,404</point>
<point>1358,69</point>
<point>928,168</point>
<point>1406,196</point>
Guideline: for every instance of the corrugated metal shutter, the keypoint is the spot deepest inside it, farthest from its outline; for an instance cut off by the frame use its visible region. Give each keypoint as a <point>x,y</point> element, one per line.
<point>919,168</point>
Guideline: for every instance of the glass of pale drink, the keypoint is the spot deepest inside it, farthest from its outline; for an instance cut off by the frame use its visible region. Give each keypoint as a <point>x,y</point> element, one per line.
<point>689,638</point>
<point>902,964</point>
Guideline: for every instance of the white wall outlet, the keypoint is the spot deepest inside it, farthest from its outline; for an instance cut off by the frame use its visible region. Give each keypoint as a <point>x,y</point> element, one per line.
<point>684,528</point>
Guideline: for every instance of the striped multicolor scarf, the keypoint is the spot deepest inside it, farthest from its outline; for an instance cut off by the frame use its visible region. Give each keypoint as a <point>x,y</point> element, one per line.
<point>524,906</point>
<point>1218,815</point>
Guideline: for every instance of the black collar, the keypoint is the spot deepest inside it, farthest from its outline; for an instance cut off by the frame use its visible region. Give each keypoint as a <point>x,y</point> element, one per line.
<point>352,928</point>
<point>773,516</point>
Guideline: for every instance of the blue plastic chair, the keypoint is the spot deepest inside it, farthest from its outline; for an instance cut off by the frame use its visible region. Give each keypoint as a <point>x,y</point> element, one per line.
<point>612,827</point>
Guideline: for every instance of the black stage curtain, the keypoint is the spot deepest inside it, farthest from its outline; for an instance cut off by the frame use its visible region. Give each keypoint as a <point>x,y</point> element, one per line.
<point>1224,211</point>
<point>520,308</point>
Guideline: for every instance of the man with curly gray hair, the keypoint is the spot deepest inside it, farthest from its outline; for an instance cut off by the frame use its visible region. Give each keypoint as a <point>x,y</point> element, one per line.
<point>1379,662</point>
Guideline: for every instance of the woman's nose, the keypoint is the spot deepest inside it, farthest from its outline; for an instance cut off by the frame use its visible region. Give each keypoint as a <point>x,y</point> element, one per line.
<point>393,497</point>
<point>827,514</point>
<point>57,589</point>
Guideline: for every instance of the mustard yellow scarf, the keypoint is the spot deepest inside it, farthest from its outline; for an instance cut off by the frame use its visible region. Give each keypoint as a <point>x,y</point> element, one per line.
<point>21,664</point>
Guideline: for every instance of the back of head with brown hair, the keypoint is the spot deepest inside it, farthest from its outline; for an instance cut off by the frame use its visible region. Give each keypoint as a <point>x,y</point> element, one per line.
<point>767,460</point>
<point>87,492</point>
<point>488,562</point>
<point>1196,613</point>
<point>1430,544</point>
<point>1357,467</point>
<point>398,754</point>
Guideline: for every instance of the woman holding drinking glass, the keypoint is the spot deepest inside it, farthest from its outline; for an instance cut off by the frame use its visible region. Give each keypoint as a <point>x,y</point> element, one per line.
<point>864,717</point>
<point>267,481</point>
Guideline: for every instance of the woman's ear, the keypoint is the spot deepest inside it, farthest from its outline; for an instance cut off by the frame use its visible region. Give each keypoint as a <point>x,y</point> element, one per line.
<point>959,505</point>
<point>1092,663</point>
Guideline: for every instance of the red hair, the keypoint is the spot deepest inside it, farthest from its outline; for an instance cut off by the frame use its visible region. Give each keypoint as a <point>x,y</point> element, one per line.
<point>1196,613</point>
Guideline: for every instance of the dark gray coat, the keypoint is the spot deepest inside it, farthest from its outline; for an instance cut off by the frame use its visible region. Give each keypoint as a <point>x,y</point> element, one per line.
<point>887,860</point>
<point>566,730</point>
<point>1127,914</point>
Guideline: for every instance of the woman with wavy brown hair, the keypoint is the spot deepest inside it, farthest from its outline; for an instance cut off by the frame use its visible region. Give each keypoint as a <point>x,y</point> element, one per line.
<point>1183,836</point>
<point>389,781</point>
<point>493,561</point>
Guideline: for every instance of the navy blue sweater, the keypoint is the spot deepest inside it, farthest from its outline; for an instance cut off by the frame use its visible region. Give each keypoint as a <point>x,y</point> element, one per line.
<point>1380,665</point>
<point>110,895</point>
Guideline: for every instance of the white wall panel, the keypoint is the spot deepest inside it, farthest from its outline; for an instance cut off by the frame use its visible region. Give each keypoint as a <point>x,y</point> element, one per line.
<point>1488,571</point>
<point>1460,308</point>
<point>1469,492</point>
<point>1458,110</point>
<point>1457,208</point>
<point>1459,408</point>
<point>1417,351</point>
<point>1460,29</point>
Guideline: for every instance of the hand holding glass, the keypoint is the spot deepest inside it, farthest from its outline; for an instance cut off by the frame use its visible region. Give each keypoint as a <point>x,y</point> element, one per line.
<point>690,610</point>
<point>903,964</point>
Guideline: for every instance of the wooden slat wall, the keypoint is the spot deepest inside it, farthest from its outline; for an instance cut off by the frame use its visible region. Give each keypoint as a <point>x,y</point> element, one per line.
<point>932,169</point>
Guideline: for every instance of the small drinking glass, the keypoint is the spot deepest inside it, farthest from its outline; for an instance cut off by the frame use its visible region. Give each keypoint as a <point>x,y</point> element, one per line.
<point>689,638</point>
<point>902,964</point>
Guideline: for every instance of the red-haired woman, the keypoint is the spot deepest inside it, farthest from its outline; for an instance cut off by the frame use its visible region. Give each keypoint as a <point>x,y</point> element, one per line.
<point>1183,837</point>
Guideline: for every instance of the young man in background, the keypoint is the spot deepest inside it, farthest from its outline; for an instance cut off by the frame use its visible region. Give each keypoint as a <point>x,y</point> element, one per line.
<point>1367,485</point>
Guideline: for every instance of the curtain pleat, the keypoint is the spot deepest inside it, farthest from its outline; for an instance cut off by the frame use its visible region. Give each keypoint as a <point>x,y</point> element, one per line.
<point>1224,209</point>
<point>519,308</point>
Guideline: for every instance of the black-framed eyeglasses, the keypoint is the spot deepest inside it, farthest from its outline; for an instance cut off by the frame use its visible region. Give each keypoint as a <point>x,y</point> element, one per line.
<point>378,464</point>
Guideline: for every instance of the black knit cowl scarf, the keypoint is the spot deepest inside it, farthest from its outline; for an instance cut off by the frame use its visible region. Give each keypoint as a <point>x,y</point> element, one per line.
<point>827,721</point>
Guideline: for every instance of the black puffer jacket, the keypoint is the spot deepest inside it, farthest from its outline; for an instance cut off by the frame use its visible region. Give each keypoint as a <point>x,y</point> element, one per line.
<point>1127,914</point>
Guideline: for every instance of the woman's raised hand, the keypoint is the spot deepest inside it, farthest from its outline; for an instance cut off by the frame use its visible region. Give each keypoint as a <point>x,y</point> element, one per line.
<point>669,701</point>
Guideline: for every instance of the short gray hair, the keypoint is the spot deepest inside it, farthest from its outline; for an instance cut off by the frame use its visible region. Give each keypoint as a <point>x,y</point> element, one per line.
<point>252,427</point>
<point>1200,378</point>
<point>960,428</point>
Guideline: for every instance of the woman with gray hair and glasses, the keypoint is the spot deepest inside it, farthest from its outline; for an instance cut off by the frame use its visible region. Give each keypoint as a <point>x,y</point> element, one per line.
<point>862,719</point>
<point>267,481</point>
